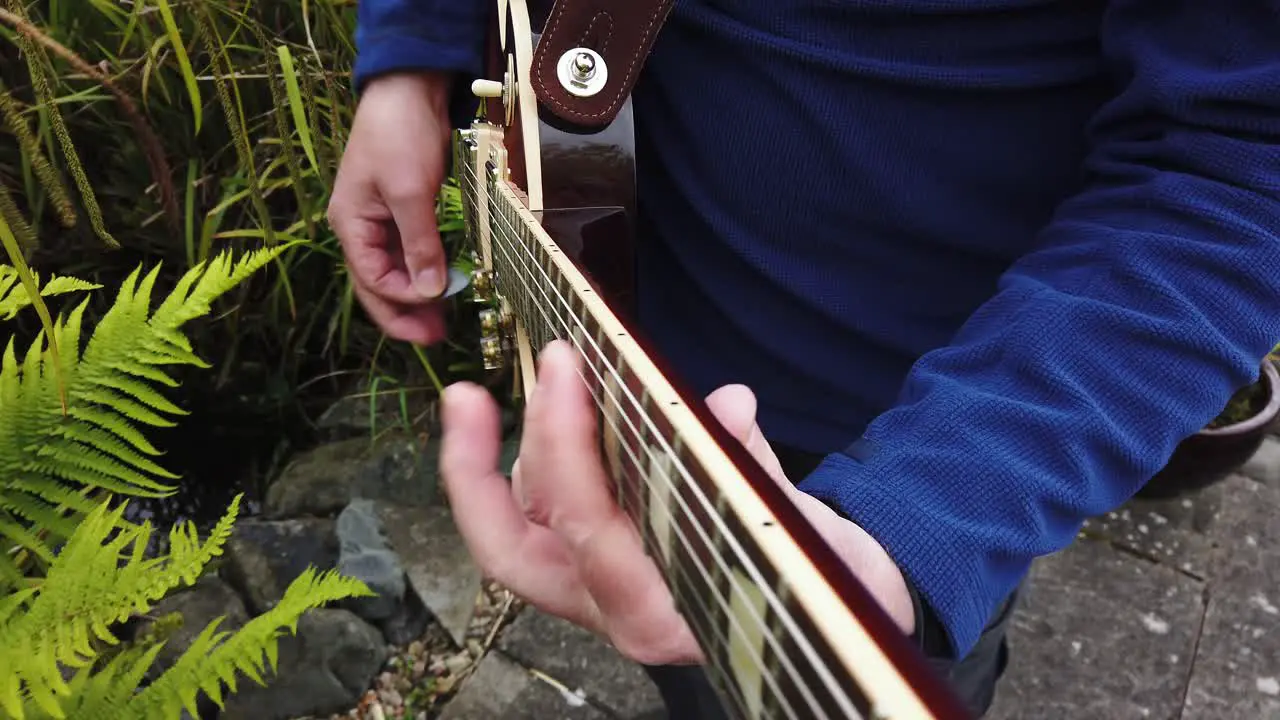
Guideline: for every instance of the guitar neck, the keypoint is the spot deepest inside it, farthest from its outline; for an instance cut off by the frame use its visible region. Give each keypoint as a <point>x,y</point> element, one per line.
<point>780,641</point>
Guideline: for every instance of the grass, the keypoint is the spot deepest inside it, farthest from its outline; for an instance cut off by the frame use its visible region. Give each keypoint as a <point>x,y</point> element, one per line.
<point>168,130</point>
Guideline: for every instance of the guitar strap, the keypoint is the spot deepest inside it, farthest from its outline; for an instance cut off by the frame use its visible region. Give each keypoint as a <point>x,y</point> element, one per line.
<point>619,32</point>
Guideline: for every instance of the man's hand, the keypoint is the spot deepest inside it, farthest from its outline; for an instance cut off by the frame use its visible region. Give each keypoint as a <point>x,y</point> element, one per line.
<point>555,537</point>
<point>383,204</point>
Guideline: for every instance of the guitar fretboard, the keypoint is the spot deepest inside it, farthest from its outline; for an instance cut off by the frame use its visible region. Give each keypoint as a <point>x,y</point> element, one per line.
<point>778,644</point>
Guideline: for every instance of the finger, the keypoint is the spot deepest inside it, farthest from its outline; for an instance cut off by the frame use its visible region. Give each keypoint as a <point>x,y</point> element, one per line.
<point>565,487</point>
<point>734,406</point>
<point>420,324</point>
<point>486,514</point>
<point>568,489</point>
<point>415,217</point>
<point>529,560</point>
<point>372,248</point>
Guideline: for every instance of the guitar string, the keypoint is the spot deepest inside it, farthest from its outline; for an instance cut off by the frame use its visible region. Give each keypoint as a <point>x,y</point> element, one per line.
<point>709,627</point>
<point>732,619</point>
<point>783,612</point>
<point>782,656</point>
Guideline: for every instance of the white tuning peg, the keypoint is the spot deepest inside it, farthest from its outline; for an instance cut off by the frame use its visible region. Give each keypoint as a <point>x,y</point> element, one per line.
<point>486,88</point>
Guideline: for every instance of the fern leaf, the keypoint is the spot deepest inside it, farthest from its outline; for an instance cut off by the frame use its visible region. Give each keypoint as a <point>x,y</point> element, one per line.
<point>113,382</point>
<point>14,296</point>
<point>249,651</point>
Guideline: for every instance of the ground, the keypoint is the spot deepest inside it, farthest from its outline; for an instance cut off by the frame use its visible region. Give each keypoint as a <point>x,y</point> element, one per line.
<point>1163,610</point>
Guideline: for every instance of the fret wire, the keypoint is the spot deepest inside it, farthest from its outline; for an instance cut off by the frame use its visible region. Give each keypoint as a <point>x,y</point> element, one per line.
<point>732,620</point>
<point>500,217</point>
<point>777,653</point>
<point>695,601</point>
<point>782,614</point>
<point>772,653</point>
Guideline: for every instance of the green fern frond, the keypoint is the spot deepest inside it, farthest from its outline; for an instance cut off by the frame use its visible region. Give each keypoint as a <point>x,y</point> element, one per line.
<point>14,296</point>
<point>214,658</point>
<point>50,462</point>
<point>101,578</point>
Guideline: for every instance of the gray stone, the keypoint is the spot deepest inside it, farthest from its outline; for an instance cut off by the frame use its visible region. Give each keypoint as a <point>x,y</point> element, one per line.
<point>263,557</point>
<point>437,563</point>
<point>499,688</point>
<point>1166,531</point>
<point>1264,466</point>
<point>323,669</point>
<point>579,659</point>
<point>363,415</point>
<point>396,467</point>
<point>1237,664</point>
<point>207,600</point>
<point>365,555</point>
<point>1102,635</point>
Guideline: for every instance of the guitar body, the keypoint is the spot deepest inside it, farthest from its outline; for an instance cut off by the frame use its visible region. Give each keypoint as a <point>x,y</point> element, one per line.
<point>585,177</point>
<point>550,208</point>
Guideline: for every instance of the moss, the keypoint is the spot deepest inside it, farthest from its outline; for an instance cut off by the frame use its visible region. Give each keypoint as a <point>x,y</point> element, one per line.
<point>1244,404</point>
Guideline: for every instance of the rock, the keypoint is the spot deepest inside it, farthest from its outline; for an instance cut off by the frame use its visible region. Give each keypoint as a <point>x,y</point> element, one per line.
<point>437,563</point>
<point>408,622</point>
<point>207,600</point>
<point>323,669</point>
<point>364,555</point>
<point>580,660</point>
<point>263,557</point>
<point>397,467</point>
<point>350,416</point>
<point>501,689</point>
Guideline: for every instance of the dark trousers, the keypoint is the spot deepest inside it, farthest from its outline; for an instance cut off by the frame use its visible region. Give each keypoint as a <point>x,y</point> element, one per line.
<point>688,694</point>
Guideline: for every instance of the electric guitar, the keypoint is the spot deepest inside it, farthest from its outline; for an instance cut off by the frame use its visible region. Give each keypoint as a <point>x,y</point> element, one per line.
<point>547,178</point>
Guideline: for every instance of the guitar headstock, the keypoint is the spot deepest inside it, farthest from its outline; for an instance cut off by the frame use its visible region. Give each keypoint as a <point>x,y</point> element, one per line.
<point>500,148</point>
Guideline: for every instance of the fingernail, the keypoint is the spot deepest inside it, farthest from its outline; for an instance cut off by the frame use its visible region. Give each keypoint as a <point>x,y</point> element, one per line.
<point>430,282</point>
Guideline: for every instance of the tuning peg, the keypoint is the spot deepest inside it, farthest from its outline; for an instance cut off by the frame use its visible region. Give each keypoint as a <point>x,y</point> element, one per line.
<point>486,88</point>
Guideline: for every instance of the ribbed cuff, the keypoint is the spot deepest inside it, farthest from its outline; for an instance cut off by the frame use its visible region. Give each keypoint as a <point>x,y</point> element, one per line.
<point>936,567</point>
<point>388,53</point>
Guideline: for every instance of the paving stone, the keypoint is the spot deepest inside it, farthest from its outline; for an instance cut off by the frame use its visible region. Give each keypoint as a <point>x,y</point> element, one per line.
<point>580,660</point>
<point>1103,635</point>
<point>1264,466</point>
<point>1237,666</point>
<point>1166,531</point>
<point>500,688</point>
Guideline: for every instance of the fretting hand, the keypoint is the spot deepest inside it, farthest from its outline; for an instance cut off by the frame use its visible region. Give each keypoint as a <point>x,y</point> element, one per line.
<point>555,537</point>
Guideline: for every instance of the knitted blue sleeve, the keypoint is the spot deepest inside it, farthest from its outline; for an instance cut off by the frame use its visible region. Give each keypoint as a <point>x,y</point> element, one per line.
<point>1152,295</point>
<point>399,35</point>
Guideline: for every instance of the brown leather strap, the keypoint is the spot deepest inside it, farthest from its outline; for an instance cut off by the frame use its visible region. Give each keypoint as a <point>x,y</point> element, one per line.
<point>620,31</point>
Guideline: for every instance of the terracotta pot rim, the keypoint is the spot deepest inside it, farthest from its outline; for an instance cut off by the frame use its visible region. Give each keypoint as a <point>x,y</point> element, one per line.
<point>1271,379</point>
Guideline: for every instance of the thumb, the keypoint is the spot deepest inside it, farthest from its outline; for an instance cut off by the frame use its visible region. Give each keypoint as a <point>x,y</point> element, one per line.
<point>734,406</point>
<point>415,218</point>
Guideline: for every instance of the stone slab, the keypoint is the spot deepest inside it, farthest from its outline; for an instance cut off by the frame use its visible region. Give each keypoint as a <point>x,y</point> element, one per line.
<point>580,660</point>
<point>1264,466</point>
<point>1100,634</point>
<point>500,688</point>
<point>437,563</point>
<point>1166,531</point>
<point>1237,665</point>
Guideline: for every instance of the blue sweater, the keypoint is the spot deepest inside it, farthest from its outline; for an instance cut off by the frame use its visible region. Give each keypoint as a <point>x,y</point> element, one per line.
<point>996,258</point>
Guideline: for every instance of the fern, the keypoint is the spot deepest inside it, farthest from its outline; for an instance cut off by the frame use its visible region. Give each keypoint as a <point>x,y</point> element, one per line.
<point>51,462</point>
<point>101,578</point>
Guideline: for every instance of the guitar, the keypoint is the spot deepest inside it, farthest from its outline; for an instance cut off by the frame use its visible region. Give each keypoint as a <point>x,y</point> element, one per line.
<point>548,203</point>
